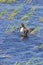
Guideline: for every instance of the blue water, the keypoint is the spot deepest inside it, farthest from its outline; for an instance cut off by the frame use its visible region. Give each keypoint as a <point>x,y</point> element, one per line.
<point>14,50</point>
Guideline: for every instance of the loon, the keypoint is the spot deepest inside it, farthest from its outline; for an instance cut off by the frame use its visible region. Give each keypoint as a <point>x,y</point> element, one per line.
<point>25,31</point>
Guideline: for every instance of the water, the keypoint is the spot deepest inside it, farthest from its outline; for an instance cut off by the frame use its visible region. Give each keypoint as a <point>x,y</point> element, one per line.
<point>13,50</point>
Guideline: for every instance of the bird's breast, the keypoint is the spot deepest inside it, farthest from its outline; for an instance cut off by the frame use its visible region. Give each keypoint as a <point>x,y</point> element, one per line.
<point>21,30</point>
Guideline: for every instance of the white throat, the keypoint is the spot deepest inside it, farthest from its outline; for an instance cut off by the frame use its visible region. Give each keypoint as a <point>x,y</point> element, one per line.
<point>21,30</point>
